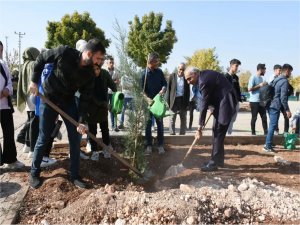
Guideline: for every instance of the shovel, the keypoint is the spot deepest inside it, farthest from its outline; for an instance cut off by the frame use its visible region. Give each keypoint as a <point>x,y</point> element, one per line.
<point>176,169</point>
<point>75,123</point>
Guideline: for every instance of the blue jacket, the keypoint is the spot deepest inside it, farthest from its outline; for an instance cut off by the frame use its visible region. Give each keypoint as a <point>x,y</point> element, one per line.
<point>280,94</point>
<point>155,81</point>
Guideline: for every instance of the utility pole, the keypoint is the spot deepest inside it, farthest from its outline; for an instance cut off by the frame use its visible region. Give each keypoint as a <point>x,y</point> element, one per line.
<point>6,49</point>
<point>20,36</point>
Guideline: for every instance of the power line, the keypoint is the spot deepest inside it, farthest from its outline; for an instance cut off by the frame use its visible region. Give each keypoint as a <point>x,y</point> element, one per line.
<point>20,36</point>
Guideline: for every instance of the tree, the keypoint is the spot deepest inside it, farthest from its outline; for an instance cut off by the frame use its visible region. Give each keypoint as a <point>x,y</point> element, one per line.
<point>244,79</point>
<point>146,36</point>
<point>295,82</point>
<point>71,28</point>
<point>13,60</point>
<point>135,123</point>
<point>205,59</point>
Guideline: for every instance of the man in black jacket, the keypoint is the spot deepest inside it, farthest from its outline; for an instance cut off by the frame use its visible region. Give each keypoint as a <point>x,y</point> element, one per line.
<point>234,80</point>
<point>215,91</point>
<point>72,71</point>
<point>177,96</point>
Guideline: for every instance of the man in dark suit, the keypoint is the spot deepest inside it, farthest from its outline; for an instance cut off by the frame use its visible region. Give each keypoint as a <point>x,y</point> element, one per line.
<point>177,96</point>
<point>215,91</point>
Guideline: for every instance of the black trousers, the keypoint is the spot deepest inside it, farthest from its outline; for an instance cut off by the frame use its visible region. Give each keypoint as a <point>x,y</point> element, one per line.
<point>192,107</point>
<point>9,151</point>
<point>30,131</point>
<point>255,109</point>
<point>286,121</point>
<point>104,131</point>
<point>219,133</point>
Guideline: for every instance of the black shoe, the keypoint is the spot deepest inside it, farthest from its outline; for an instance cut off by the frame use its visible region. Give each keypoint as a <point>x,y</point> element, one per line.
<point>181,133</point>
<point>268,149</point>
<point>116,129</point>
<point>209,168</point>
<point>78,182</point>
<point>35,182</point>
<point>121,127</point>
<point>172,133</point>
<point>253,134</point>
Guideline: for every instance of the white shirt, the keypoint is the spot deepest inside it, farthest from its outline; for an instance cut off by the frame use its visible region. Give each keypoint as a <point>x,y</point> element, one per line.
<point>3,101</point>
<point>180,86</point>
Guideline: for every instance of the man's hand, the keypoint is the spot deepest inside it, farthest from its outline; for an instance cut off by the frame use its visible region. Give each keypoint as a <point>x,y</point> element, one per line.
<point>5,93</point>
<point>288,114</point>
<point>33,87</point>
<point>82,129</point>
<point>162,91</point>
<point>198,134</point>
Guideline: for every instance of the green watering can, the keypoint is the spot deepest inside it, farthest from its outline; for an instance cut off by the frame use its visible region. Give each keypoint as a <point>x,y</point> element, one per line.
<point>290,140</point>
<point>159,107</point>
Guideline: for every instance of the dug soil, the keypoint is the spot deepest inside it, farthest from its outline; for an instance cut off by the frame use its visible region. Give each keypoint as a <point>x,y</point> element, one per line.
<point>114,197</point>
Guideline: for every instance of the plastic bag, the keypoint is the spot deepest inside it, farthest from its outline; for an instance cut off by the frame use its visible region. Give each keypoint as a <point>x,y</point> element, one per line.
<point>290,140</point>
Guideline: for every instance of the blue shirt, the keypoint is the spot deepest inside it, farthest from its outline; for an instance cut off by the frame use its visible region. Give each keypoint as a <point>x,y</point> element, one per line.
<point>155,81</point>
<point>254,81</point>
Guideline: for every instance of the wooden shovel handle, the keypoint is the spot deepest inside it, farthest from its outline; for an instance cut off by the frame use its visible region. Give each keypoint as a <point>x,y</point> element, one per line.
<point>76,124</point>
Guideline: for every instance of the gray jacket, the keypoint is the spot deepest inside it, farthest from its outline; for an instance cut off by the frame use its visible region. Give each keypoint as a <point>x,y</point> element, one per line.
<point>280,98</point>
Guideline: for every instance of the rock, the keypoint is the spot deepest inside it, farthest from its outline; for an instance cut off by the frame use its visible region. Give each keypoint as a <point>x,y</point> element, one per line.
<point>58,205</point>
<point>186,188</point>
<point>191,220</point>
<point>243,187</point>
<point>281,161</point>
<point>228,213</point>
<point>44,222</point>
<point>120,222</point>
<point>231,187</point>
<point>262,218</point>
<point>127,210</point>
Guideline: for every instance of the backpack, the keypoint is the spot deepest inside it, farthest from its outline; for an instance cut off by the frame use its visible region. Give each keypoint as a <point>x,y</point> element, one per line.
<point>267,92</point>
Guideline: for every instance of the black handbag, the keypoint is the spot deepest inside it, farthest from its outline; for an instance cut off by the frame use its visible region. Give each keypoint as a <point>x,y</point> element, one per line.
<point>8,97</point>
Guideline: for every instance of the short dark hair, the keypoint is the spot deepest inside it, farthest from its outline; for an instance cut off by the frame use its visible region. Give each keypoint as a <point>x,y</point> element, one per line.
<point>95,45</point>
<point>1,43</point>
<point>261,66</point>
<point>235,61</point>
<point>153,56</point>
<point>109,57</point>
<point>277,66</point>
<point>287,67</point>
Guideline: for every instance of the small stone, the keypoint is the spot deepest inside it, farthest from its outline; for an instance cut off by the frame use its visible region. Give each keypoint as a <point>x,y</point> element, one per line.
<point>128,210</point>
<point>231,187</point>
<point>58,205</point>
<point>186,188</point>
<point>120,222</point>
<point>243,187</point>
<point>228,213</point>
<point>44,222</point>
<point>191,220</point>
<point>262,218</point>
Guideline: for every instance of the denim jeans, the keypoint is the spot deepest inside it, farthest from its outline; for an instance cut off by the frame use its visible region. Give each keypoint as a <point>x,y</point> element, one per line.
<point>160,131</point>
<point>127,102</point>
<point>47,123</point>
<point>273,117</point>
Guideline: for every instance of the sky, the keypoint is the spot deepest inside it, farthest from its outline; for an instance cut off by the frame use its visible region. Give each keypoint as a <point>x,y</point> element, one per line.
<point>251,31</point>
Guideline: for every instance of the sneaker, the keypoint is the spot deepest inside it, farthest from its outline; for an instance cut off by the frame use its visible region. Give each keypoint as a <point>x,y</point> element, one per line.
<point>15,165</point>
<point>106,153</point>
<point>161,150</point>
<point>172,133</point>
<point>35,182</point>
<point>268,149</point>
<point>153,128</point>
<point>88,147</point>
<point>116,129</point>
<point>79,183</point>
<point>148,150</point>
<point>95,156</point>
<point>30,155</point>
<point>48,161</point>
<point>26,149</point>
<point>276,132</point>
<point>83,156</point>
